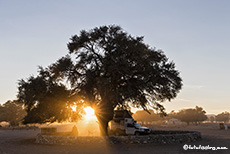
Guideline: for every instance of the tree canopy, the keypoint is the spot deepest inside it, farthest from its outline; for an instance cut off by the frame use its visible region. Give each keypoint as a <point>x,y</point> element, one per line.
<point>12,112</point>
<point>46,99</point>
<point>143,116</point>
<point>107,68</point>
<point>191,115</point>
<point>223,117</point>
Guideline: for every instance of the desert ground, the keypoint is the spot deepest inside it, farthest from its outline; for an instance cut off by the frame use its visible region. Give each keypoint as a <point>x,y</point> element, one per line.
<point>23,142</point>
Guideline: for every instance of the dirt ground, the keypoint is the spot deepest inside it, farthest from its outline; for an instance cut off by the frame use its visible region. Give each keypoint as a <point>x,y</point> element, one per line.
<point>23,142</point>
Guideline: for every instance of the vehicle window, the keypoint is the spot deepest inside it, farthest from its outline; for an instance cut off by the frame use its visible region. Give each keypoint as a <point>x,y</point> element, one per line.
<point>137,125</point>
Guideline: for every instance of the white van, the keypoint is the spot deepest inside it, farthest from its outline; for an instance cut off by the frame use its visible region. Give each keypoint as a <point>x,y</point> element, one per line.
<point>124,124</point>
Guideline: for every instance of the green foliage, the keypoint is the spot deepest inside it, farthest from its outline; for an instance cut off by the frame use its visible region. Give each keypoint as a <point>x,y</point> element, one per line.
<point>191,115</point>
<point>223,117</point>
<point>12,112</point>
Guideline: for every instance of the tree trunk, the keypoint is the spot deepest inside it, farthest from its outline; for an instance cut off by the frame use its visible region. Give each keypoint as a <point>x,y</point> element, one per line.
<point>103,125</point>
<point>103,117</point>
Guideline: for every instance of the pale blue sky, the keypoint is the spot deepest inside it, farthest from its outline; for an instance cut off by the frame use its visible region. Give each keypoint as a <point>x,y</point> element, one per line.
<point>195,34</point>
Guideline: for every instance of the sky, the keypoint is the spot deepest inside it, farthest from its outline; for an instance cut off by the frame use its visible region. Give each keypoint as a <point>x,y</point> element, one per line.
<point>193,34</point>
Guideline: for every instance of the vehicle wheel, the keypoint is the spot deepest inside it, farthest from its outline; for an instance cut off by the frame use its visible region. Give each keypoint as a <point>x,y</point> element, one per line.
<point>137,133</point>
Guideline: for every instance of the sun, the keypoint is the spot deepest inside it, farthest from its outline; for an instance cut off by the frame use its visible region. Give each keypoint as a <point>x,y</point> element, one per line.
<point>74,108</point>
<point>89,113</point>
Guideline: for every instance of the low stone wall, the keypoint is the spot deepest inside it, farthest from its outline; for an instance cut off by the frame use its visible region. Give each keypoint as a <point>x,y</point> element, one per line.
<point>163,137</point>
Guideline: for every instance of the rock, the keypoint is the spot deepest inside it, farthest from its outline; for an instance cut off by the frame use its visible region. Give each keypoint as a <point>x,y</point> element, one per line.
<point>166,137</point>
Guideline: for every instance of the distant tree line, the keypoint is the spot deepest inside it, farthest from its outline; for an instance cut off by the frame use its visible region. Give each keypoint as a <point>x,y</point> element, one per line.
<point>222,117</point>
<point>143,116</point>
<point>191,115</point>
<point>12,112</point>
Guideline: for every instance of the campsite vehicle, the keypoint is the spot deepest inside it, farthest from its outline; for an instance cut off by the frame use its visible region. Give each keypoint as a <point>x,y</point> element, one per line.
<point>124,124</point>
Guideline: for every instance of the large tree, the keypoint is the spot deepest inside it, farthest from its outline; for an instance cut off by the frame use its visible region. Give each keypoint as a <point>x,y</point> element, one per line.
<point>108,68</point>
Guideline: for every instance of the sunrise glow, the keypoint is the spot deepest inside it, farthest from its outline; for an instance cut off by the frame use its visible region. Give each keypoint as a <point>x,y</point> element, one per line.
<point>89,113</point>
<point>74,108</point>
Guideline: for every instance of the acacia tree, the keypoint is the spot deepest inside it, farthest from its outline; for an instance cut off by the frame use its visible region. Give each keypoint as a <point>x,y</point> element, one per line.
<point>108,68</point>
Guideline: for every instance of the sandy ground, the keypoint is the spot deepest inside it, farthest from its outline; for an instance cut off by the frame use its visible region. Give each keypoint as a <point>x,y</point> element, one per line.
<point>23,142</point>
